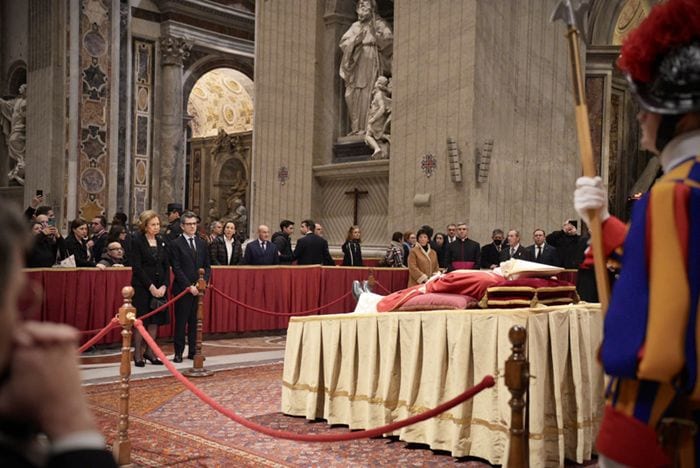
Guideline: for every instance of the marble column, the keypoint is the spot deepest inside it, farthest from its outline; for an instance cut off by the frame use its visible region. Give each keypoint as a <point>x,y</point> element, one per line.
<point>169,181</point>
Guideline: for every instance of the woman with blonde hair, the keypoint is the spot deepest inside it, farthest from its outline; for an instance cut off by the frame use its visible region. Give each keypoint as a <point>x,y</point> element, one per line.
<point>150,279</point>
<point>352,254</point>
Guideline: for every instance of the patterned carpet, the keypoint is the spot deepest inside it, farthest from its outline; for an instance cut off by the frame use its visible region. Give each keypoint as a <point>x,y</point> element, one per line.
<point>171,427</point>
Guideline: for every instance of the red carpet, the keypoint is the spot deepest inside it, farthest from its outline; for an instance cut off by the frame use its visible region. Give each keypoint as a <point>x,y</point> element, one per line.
<point>171,427</point>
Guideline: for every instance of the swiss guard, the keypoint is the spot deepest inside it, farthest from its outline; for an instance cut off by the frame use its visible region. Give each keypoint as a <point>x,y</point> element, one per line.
<point>651,337</point>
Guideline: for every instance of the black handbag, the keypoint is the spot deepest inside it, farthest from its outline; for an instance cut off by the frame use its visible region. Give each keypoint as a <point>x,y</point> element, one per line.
<point>157,302</point>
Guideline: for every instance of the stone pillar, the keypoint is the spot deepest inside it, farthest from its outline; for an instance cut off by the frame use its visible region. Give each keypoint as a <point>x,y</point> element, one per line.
<point>169,174</point>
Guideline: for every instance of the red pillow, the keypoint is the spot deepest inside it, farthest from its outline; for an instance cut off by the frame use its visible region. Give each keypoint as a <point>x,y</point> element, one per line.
<point>439,301</point>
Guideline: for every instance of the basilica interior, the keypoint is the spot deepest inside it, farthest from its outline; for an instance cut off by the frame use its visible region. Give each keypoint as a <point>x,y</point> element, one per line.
<point>236,109</point>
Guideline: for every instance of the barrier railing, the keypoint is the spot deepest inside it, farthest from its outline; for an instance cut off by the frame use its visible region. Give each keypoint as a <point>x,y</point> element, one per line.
<point>516,378</point>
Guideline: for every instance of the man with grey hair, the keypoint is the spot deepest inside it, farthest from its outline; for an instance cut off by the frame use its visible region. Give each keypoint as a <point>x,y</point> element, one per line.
<point>261,251</point>
<point>463,253</point>
<point>514,249</point>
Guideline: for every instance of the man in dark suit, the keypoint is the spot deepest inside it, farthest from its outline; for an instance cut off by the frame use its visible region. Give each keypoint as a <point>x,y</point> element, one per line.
<point>282,239</point>
<point>261,251</point>
<point>173,229</point>
<point>188,253</point>
<point>540,251</point>
<point>463,252</point>
<point>491,253</point>
<point>312,249</point>
<point>514,249</point>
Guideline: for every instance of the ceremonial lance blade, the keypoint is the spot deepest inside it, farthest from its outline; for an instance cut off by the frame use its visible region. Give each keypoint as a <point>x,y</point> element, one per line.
<point>573,13</point>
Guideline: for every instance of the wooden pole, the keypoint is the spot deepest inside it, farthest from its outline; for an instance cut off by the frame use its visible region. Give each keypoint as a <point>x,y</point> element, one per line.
<point>517,377</point>
<point>198,369</point>
<point>583,131</point>
<point>122,445</point>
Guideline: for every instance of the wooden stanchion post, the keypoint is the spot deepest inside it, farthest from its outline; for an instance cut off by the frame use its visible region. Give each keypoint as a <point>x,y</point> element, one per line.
<point>198,369</point>
<point>122,445</point>
<point>517,380</point>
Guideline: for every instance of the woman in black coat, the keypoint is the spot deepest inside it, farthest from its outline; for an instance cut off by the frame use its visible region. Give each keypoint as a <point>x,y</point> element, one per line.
<point>150,278</point>
<point>226,249</point>
<point>77,243</point>
<point>352,253</point>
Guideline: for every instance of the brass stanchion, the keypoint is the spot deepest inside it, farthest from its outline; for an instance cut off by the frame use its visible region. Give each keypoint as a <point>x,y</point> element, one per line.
<point>517,380</point>
<point>198,369</point>
<point>122,444</point>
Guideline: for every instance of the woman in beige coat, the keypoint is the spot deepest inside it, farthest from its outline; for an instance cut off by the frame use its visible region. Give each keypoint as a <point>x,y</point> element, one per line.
<point>422,260</point>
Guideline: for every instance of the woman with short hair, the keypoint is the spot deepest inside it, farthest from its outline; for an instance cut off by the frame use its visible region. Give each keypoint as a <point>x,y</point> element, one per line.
<point>150,279</point>
<point>422,260</point>
<point>77,243</point>
<point>226,248</point>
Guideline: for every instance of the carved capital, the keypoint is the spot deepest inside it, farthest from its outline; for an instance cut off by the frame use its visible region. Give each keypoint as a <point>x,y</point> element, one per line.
<point>174,50</point>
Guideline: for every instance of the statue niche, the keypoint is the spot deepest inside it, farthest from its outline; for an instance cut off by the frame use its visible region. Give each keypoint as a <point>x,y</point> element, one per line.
<point>229,198</point>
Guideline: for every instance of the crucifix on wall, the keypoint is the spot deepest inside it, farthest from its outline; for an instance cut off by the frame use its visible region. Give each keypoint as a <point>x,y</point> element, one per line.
<point>357,193</point>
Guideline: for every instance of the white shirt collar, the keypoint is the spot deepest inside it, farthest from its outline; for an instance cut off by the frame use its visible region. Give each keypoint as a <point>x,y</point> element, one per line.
<point>680,149</point>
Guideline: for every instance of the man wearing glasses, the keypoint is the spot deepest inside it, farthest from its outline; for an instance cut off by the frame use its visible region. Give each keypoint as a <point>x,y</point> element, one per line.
<point>113,257</point>
<point>188,253</point>
<point>98,227</point>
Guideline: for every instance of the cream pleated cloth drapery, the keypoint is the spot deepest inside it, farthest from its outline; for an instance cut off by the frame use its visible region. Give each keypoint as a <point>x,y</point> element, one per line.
<point>367,370</point>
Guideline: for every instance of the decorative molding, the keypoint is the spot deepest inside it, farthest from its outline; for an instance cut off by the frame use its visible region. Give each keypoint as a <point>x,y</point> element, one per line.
<point>174,50</point>
<point>210,11</point>
<point>352,170</point>
<point>209,39</point>
<point>428,164</point>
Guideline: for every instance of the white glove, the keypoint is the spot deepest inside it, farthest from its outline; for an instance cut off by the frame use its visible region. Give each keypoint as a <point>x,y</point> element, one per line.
<point>591,195</point>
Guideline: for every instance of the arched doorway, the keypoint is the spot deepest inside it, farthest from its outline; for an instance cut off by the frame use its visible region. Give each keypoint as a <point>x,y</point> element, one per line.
<point>624,167</point>
<point>220,112</point>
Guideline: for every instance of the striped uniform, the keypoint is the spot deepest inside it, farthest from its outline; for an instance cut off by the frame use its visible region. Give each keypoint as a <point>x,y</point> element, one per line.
<point>651,335</point>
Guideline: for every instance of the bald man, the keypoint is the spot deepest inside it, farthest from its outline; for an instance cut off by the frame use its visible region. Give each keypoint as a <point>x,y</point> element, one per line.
<point>261,251</point>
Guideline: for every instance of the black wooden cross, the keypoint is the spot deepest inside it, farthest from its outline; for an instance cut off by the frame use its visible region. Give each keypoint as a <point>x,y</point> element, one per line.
<point>357,193</point>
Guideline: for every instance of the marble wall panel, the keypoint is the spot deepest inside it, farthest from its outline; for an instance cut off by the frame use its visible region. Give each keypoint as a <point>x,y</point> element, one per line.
<point>142,133</point>
<point>95,64</point>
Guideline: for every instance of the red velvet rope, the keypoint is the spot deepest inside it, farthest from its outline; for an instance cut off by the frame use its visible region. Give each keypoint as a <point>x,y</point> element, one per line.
<point>167,304</point>
<point>485,383</point>
<point>377,283</point>
<point>268,312</point>
<point>112,324</point>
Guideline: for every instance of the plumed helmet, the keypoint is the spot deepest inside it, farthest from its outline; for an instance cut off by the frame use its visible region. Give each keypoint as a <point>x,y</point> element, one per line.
<point>661,58</point>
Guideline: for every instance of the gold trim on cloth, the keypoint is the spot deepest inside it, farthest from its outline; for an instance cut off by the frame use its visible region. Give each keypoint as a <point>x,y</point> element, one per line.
<point>367,370</point>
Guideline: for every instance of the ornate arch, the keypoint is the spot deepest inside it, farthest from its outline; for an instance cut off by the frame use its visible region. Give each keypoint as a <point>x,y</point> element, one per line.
<point>16,76</point>
<point>605,25</point>
<point>208,62</point>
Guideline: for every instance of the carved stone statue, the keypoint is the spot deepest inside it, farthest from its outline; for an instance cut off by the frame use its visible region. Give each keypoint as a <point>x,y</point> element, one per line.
<point>237,192</point>
<point>238,213</point>
<point>13,117</point>
<point>213,211</point>
<point>378,134</point>
<point>367,52</point>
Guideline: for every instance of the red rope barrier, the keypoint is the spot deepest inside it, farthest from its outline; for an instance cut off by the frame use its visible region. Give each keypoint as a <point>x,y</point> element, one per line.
<point>284,314</point>
<point>113,323</point>
<point>485,383</point>
<point>167,304</point>
<point>377,283</point>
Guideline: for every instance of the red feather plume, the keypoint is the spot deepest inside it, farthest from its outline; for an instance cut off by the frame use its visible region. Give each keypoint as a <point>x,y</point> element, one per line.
<point>670,24</point>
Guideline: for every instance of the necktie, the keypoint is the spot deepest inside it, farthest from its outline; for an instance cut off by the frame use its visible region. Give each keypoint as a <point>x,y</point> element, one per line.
<point>194,249</point>
<point>512,251</point>
<point>539,252</point>
<point>263,244</point>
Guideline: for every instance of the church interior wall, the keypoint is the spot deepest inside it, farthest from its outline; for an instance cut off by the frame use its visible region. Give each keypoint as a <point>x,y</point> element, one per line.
<point>524,103</point>
<point>285,76</point>
<point>14,25</point>
<point>433,99</point>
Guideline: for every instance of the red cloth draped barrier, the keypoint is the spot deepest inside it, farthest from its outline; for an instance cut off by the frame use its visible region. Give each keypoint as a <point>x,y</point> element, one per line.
<point>88,298</point>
